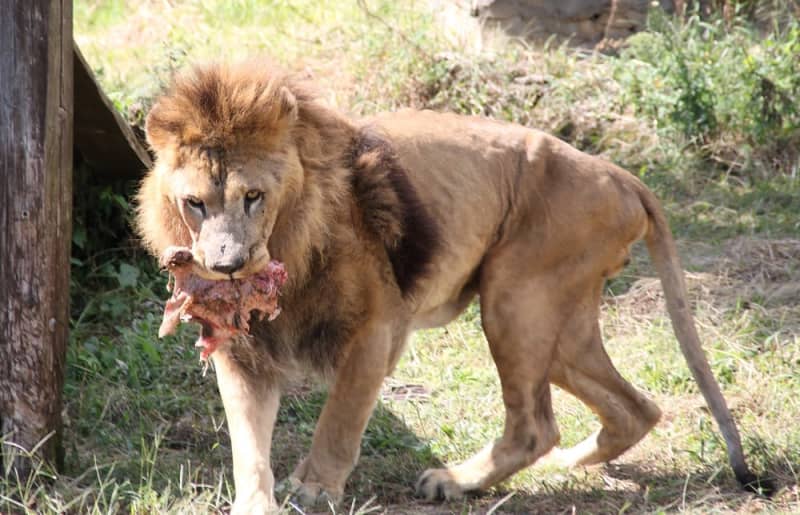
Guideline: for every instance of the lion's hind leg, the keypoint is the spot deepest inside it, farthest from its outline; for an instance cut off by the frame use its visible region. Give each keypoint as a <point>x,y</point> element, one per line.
<point>583,368</point>
<point>522,342</point>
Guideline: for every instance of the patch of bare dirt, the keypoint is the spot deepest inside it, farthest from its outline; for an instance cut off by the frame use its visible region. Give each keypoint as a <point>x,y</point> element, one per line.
<point>769,268</point>
<point>645,298</point>
<point>741,272</point>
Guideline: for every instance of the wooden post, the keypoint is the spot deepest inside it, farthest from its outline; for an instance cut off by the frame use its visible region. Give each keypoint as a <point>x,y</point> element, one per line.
<point>36,114</point>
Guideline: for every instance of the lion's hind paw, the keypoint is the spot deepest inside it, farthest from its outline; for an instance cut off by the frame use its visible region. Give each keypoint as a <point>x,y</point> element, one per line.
<point>438,485</point>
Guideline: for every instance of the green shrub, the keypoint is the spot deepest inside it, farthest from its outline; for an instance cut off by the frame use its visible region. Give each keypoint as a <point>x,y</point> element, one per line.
<point>721,86</point>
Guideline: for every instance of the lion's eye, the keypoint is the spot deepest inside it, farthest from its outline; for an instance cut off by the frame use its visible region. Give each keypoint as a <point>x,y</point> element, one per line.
<point>195,203</point>
<point>251,197</point>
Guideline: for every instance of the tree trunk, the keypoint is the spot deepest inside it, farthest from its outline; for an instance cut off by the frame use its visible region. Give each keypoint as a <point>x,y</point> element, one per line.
<point>35,224</point>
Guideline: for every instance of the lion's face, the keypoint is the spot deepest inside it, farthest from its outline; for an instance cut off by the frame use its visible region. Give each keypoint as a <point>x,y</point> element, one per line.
<point>226,163</point>
<point>229,206</point>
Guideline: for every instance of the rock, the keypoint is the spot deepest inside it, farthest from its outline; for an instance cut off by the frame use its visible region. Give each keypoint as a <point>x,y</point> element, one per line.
<point>586,23</point>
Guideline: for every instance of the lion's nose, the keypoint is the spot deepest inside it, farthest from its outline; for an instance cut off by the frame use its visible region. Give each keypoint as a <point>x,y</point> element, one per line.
<point>228,266</point>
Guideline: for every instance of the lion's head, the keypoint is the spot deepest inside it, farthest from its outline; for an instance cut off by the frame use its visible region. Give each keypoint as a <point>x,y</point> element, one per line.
<point>228,159</point>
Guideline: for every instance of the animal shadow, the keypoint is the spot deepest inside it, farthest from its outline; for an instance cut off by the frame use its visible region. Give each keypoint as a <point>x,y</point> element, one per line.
<point>392,455</point>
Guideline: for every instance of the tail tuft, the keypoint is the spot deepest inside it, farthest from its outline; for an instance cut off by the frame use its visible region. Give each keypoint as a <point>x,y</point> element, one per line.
<point>762,486</point>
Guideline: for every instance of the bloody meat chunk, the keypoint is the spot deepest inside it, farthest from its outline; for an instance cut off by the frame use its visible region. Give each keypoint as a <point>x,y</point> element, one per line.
<point>222,308</point>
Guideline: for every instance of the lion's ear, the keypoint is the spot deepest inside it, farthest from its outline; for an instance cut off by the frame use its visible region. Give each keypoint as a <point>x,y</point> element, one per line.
<point>288,105</point>
<point>162,127</point>
<point>273,116</point>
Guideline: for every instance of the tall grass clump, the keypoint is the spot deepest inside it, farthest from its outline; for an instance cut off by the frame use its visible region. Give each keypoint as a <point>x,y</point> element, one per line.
<point>721,88</point>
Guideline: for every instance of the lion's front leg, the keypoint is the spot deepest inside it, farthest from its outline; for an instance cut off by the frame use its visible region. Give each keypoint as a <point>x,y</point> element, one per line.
<point>251,405</point>
<point>321,476</point>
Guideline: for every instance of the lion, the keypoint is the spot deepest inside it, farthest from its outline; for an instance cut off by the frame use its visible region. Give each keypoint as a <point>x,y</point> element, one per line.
<point>395,223</point>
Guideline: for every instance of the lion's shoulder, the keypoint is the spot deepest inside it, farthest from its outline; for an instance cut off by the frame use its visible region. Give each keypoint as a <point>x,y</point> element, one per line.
<point>391,208</point>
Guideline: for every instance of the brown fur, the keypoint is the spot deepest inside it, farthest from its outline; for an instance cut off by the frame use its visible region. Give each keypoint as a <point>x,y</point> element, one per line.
<point>391,208</point>
<point>393,224</point>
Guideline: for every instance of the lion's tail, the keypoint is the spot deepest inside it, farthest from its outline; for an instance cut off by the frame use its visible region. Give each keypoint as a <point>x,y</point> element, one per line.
<point>665,258</point>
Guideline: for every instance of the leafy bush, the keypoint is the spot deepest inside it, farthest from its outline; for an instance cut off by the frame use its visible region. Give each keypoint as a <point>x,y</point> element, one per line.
<point>721,86</point>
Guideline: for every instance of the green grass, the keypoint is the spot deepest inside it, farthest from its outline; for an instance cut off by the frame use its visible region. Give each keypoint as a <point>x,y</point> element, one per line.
<point>144,429</point>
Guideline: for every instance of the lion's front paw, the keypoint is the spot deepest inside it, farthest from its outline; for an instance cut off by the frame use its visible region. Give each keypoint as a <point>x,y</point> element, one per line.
<point>256,503</point>
<point>437,485</point>
<point>310,491</point>
<point>313,495</point>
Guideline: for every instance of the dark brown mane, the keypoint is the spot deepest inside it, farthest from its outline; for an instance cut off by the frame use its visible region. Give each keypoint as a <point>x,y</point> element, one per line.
<point>219,106</point>
<point>226,106</point>
<point>391,208</point>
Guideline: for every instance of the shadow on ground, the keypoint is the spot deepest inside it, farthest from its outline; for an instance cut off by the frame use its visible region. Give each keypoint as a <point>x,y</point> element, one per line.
<point>626,487</point>
<point>392,455</point>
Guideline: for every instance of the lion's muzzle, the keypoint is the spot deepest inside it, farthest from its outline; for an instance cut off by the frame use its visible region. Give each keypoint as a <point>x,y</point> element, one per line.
<point>222,248</point>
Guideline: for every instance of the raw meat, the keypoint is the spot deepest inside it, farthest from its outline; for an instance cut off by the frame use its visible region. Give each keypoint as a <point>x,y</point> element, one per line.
<point>222,308</point>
